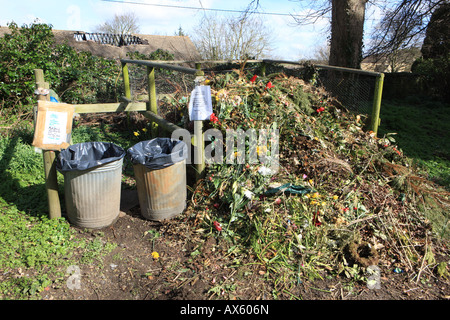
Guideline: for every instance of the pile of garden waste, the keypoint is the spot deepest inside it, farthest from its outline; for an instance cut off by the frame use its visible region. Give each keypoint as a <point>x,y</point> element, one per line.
<point>341,199</point>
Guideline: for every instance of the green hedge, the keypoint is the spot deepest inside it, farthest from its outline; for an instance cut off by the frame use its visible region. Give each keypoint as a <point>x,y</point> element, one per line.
<point>77,77</point>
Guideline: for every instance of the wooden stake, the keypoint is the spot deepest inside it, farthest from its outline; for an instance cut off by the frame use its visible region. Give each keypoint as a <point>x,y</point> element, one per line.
<point>127,88</point>
<point>51,181</point>
<point>126,80</point>
<point>199,147</point>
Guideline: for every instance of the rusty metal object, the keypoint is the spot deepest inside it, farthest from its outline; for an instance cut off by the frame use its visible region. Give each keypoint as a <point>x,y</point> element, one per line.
<point>162,192</point>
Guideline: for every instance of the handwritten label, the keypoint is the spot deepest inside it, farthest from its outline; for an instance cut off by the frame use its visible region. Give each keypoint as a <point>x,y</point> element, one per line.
<point>55,127</point>
<point>200,104</point>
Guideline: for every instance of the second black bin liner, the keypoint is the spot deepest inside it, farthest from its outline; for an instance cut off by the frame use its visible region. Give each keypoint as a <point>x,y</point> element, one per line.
<point>158,153</point>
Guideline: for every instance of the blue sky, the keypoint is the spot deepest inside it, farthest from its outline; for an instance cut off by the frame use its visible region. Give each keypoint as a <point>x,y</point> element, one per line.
<point>292,42</point>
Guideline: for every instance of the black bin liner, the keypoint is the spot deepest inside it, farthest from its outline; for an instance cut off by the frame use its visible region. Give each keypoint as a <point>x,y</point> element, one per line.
<point>158,153</point>
<point>87,155</point>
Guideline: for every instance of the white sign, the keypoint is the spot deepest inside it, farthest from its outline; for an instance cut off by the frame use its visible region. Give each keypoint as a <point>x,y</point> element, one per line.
<point>55,127</point>
<point>200,104</point>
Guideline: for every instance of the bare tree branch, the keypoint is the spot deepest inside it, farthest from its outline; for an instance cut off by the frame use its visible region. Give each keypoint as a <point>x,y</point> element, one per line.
<point>126,23</point>
<point>224,38</point>
<point>402,26</point>
<point>312,11</point>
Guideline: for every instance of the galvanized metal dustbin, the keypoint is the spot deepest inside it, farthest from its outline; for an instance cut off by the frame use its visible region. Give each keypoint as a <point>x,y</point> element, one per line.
<point>92,183</point>
<point>160,173</point>
<point>162,192</point>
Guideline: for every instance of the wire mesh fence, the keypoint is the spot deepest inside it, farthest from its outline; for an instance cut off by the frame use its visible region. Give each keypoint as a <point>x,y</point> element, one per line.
<point>167,82</point>
<point>172,91</point>
<point>154,82</point>
<point>354,89</point>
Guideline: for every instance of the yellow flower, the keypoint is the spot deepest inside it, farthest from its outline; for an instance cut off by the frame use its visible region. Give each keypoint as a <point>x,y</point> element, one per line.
<point>155,255</point>
<point>207,82</point>
<point>145,129</point>
<point>324,203</point>
<point>261,149</point>
<point>221,94</point>
<point>335,197</point>
<point>136,133</point>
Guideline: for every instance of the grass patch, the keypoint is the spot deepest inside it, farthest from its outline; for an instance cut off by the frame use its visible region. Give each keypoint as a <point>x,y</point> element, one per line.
<point>422,126</point>
<point>35,251</point>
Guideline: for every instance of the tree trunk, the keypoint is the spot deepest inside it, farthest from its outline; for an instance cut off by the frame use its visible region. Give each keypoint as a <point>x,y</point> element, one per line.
<point>347,28</point>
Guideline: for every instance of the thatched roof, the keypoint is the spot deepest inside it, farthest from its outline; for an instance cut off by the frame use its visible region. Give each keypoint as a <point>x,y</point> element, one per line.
<point>180,46</point>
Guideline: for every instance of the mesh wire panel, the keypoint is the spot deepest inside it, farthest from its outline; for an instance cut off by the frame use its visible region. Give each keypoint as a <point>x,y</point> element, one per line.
<point>170,86</point>
<point>138,81</point>
<point>355,91</point>
<point>167,82</point>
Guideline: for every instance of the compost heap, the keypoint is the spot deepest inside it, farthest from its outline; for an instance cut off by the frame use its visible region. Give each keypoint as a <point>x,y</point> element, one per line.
<point>342,199</point>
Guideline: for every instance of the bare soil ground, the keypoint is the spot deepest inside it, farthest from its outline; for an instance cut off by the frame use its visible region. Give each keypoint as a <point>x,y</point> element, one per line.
<point>192,267</point>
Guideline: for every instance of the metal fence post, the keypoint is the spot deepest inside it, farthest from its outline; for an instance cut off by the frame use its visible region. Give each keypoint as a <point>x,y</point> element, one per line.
<point>51,179</point>
<point>375,118</point>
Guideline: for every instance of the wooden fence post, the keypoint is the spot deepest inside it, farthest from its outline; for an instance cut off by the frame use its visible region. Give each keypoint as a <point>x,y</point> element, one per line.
<point>126,80</point>
<point>152,103</point>
<point>51,181</point>
<point>127,88</point>
<point>199,147</point>
<point>263,68</point>
<point>375,118</point>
